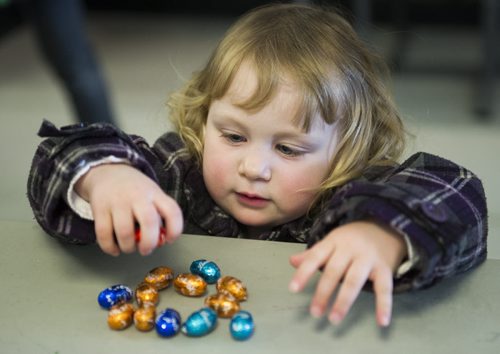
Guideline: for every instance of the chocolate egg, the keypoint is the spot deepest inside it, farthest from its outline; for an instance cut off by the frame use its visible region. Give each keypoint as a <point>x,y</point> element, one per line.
<point>114,295</point>
<point>120,316</point>
<point>168,323</point>
<point>162,236</point>
<point>224,304</point>
<point>206,269</point>
<point>242,325</point>
<point>144,317</point>
<point>190,284</point>
<point>200,322</point>
<point>233,286</point>
<point>146,293</point>
<point>159,277</point>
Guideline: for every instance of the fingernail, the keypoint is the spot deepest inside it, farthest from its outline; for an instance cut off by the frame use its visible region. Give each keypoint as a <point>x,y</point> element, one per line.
<point>335,318</point>
<point>316,312</point>
<point>293,287</point>
<point>384,321</point>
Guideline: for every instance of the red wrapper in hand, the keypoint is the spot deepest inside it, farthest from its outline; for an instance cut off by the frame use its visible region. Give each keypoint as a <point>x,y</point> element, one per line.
<point>161,239</point>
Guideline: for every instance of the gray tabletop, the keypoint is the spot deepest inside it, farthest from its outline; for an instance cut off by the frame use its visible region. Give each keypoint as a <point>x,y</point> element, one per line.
<point>49,302</point>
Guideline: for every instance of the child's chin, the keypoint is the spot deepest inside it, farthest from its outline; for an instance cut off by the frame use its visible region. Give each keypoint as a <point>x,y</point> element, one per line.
<point>255,225</point>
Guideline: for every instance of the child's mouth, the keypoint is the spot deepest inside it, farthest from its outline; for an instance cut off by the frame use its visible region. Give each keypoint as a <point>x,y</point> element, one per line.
<point>252,200</point>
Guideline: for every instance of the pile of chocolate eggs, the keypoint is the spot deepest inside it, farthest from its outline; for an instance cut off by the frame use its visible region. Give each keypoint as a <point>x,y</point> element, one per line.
<point>224,304</point>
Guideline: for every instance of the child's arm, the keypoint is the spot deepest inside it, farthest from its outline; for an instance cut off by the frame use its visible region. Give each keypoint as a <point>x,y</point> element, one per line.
<point>72,149</point>
<point>439,206</point>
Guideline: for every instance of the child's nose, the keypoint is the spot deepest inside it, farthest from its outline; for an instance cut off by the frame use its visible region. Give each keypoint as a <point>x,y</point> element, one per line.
<point>255,166</point>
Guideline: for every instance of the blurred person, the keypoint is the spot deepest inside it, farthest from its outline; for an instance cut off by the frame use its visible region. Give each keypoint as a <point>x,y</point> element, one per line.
<point>59,26</point>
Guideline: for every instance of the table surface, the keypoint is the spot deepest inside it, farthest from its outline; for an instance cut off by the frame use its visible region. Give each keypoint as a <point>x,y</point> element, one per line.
<point>49,302</point>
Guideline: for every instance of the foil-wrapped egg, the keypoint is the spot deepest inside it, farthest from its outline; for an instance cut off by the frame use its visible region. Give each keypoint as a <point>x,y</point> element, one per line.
<point>162,236</point>
<point>233,286</point>
<point>208,270</point>
<point>190,284</point>
<point>241,325</point>
<point>114,295</point>
<point>168,323</point>
<point>120,316</point>
<point>146,293</point>
<point>159,277</point>
<point>224,304</point>
<point>200,322</point>
<point>144,317</point>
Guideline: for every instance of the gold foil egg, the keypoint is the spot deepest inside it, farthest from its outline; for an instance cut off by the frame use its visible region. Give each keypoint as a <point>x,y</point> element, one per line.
<point>190,284</point>
<point>159,277</point>
<point>224,304</point>
<point>233,286</point>
<point>146,293</point>
<point>144,317</point>
<point>120,316</point>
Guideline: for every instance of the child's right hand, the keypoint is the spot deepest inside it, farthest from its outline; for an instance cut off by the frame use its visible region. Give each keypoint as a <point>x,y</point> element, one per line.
<point>121,196</point>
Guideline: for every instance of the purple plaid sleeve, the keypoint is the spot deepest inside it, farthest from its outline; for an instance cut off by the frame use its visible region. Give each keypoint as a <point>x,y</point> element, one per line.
<point>59,158</point>
<point>438,204</point>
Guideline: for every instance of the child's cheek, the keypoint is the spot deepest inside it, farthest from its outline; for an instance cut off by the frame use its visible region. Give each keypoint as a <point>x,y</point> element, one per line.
<point>215,173</point>
<point>297,189</point>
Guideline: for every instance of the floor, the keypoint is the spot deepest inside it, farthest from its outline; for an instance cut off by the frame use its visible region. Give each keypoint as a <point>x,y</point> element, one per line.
<point>147,56</point>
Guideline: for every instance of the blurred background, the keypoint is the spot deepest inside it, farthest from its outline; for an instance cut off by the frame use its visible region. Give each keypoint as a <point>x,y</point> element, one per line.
<point>443,55</point>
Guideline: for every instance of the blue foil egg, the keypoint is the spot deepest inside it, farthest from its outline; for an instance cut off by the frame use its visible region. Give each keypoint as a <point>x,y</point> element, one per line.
<point>242,325</point>
<point>208,270</point>
<point>168,323</point>
<point>114,295</point>
<point>200,322</point>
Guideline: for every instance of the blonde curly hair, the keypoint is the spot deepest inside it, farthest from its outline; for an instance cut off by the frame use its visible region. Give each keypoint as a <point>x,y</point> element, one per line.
<point>339,76</point>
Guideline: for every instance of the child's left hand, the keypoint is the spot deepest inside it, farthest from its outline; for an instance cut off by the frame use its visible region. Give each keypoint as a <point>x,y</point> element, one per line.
<point>352,254</point>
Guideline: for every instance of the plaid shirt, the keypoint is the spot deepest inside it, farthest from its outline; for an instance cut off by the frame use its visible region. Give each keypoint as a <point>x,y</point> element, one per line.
<point>439,206</point>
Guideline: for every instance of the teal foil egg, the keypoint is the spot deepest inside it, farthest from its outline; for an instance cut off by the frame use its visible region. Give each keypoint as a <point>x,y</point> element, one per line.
<point>208,270</point>
<point>200,323</point>
<point>242,325</point>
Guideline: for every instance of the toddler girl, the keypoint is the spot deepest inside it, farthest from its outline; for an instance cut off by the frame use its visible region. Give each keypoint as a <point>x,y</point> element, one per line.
<point>288,134</point>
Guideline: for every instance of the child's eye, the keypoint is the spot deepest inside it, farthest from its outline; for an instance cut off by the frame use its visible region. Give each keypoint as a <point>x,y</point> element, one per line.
<point>288,151</point>
<point>233,138</point>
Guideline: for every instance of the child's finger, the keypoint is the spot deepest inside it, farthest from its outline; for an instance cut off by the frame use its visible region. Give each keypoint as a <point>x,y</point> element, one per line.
<point>355,278</point>
<point>296,259</point>
<point>315,258</point>
<point>332,274</point>
<point>382,286</point>
<point>172,214</point>
<point>149,228</point>
<point>103,225</point>
<point>123,224</point>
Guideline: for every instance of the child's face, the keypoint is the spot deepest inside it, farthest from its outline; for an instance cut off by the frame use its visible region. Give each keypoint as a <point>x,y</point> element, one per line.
<point>260,167</point>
